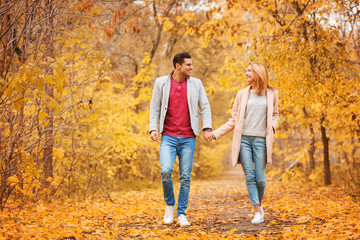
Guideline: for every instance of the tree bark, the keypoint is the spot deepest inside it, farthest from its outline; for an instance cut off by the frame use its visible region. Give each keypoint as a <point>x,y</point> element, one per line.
<point>159,26</point>
<point>49,129</point>
<point>312,147</point>
<point>4,41</point>
<point>325,141</point>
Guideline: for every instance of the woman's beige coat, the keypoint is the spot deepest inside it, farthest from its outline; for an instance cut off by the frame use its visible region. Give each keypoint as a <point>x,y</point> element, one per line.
<point>237,119</point>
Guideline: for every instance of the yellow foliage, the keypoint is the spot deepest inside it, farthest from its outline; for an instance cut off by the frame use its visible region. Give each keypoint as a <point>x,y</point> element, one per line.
<point>93,93</point>
<point>40,83</point>
<point>42,115</point>
<point>167,24</point>
<point>218,209</point>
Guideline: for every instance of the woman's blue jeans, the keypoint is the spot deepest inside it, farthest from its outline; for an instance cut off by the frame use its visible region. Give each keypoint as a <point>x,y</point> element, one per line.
<point>170,147</point>
<point>253,161</point>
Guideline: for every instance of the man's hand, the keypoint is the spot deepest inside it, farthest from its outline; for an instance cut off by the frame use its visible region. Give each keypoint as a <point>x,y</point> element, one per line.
<point>154,135</point>
<point>208,136</point>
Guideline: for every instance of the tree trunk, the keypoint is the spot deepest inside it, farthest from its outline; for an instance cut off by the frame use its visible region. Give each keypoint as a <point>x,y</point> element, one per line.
<point>23,59</point>
<point>49,129</point>
<point>312,147</point>
<point>4,25</point>
<point>4,41</point>
<point>159,26</point>
<point>325,141</point>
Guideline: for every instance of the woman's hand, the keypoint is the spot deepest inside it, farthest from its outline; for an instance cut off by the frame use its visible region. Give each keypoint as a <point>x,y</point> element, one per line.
<point>209,136</point>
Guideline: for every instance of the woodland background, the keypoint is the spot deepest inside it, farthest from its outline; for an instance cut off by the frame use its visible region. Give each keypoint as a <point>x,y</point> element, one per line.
<point>76,80</point>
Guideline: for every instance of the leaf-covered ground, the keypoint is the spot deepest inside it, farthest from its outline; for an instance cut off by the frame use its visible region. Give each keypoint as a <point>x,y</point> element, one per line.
<point>218,209</point>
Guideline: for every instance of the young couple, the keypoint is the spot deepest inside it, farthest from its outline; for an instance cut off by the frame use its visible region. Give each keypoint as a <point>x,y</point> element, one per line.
<point>254,117</point>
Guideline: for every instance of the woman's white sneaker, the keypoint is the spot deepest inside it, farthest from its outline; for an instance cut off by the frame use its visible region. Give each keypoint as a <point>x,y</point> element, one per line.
<point>262,211</point>
<point>258,218</point>
<point>169,214</point>
<point>183,221</point>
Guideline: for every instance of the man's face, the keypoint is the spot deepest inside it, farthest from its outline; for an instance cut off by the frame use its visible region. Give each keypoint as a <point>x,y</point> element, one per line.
<point>186,67</point>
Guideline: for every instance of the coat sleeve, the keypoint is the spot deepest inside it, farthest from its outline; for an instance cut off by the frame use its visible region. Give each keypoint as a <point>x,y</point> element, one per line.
<point>155,107</point>
<point>275,116</point>
<point>230,124</point>
<point>205,109</point>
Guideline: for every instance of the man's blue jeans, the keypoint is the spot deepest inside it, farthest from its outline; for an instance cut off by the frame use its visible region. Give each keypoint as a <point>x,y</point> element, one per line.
<point>253,161</point>
<point>170,147</point>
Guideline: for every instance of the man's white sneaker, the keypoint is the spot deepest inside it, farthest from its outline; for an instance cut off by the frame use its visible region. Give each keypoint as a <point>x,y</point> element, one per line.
<point>169,214</point>
<point>262,211</point>
<point>183,220</point>
<point>258,218</point>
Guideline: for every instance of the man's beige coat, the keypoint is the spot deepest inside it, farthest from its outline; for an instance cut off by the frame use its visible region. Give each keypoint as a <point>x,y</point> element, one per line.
<point>237,119</point>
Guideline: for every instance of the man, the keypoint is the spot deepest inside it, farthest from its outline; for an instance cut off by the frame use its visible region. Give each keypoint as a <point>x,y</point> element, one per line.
<point>174,106</point>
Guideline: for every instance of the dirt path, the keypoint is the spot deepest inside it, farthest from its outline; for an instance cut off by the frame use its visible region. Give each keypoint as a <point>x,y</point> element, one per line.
<point>218,209</point>
<point>223,204</point>
<point>218,206</point>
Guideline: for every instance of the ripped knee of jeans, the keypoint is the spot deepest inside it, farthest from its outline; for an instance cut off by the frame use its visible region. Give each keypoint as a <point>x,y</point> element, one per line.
<point>185,179</point>
<point>261,183</point>
<point>250,177</point>
<point>166,176</point>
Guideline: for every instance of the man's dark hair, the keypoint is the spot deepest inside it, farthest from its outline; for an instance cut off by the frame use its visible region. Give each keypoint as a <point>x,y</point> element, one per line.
<point>179,58</point>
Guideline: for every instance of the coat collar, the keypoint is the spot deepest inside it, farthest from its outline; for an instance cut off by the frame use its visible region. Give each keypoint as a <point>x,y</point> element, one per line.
<point>246,95</point>
<point>168,84</point>
<point>172,72</point>
<point>270,100</point>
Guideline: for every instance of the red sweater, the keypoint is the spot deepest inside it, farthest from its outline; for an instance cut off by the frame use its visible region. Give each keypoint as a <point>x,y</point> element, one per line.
<point>177,120</point>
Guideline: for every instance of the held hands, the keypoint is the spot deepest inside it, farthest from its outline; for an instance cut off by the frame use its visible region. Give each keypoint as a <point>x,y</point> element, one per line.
<point>154,136</point>
<point>209,136</point>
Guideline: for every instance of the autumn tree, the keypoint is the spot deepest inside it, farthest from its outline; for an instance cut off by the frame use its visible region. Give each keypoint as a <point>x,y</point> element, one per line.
<point>28,103</point>
<point>309,64</point>
<point>77,77</point>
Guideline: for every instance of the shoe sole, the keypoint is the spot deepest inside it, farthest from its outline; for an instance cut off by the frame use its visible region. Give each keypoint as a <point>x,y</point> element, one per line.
<point>184,224</point>
<point>257,222</point>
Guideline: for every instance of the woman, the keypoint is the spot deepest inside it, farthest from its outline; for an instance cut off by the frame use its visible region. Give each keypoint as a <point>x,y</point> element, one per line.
<point>254,118</point>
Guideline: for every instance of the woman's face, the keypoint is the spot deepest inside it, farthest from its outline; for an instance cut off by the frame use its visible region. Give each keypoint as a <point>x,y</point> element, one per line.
<point>250,75</point>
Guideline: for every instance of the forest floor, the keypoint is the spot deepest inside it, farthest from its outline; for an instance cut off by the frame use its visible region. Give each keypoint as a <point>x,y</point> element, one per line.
<point>218,209</point>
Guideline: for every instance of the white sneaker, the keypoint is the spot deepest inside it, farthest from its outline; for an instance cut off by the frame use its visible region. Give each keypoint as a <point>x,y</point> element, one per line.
<point>262,211</point>
<point>169,214</point>
<point>183,221</point>
<point>258,218</point>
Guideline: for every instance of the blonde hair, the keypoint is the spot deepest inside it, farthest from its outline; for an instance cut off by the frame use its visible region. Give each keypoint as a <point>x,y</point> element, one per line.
<point>261,78</point>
